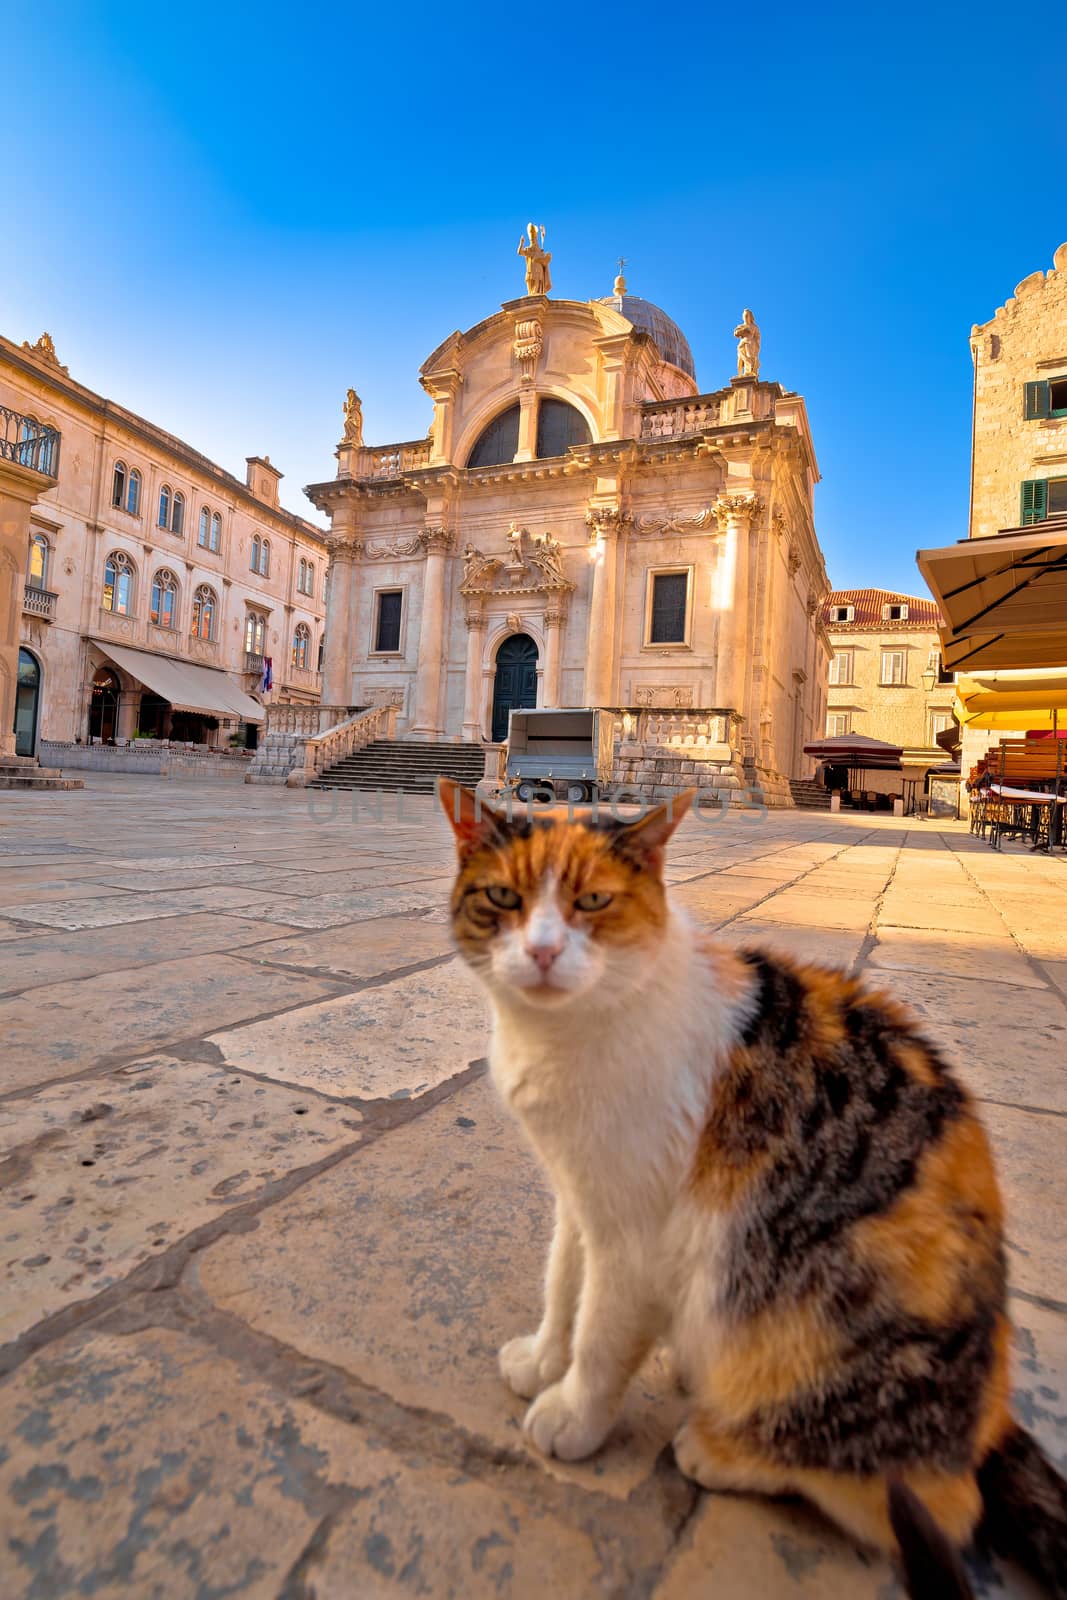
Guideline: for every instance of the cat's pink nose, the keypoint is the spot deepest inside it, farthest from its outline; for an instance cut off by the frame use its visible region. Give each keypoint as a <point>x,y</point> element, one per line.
<point>543,954</point>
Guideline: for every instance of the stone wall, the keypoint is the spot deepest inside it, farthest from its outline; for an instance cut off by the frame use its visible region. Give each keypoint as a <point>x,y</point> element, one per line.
<point>1024,342</point>
<point>147,757</point>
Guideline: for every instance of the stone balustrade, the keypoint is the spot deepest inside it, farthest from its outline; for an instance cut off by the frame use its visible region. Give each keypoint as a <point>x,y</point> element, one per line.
<point>38,602</point>
<point>304,720</point>
<point>324,750</point>
<point>393,460</point>
<point>672,419</point>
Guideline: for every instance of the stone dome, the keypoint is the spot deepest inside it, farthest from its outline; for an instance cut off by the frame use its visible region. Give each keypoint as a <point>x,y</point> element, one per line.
<point>670,340</point>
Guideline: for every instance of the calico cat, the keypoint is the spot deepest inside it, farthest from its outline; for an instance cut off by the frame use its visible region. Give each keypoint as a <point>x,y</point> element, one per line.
<point>767,1165</point>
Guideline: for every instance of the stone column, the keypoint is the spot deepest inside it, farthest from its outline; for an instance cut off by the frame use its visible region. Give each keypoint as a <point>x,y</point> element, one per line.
<point>19,489</point>
<point>550,681</point>
<point>603,523</point>
<point>427,724</point>
<point>340,593</point>
<point>735,514</point>
<point>472,697</point>
<point>527,449</point>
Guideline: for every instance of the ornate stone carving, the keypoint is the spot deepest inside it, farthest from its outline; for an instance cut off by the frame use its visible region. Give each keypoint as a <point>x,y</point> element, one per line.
<point>604,521</point>
<point>748,342</point>
<point>555,619</point>
<point>45,349</point>
<point>737,505</point>
<point>514,622</point>
<point>673,696</point>
<point>537,257</point>
<point>793,559</point>
<point>698,522</point>
<point>383,697</point>
<point>534,565</point>
<point>777,524</point>
<point>436,538</point>
<point>353,433</point>
<point>527,347</point>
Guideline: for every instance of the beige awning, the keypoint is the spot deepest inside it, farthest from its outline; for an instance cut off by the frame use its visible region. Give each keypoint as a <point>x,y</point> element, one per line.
<point>1004,599</point>
<point>188,687</point>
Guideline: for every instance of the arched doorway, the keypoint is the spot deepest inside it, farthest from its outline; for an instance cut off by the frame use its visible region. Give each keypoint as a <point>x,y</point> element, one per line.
<point>27,704</point>
<point>104,707</point>
<point>515,684</point>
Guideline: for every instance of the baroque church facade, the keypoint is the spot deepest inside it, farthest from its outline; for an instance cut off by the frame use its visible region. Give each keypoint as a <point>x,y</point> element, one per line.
<point>583,526</point>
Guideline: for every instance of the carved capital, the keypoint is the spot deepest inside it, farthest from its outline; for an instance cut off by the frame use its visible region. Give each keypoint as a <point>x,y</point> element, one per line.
<point>474,616</point>
<point>345,546</point>
<point>555,619</point>
<point>737,508</point>
<point>436,539</point>
<point>604,521</point>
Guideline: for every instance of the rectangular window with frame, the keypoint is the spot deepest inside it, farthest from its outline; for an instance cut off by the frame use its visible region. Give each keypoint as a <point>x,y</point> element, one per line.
<point>841,667</point>
<point>387,622</point>
<point>893,668</point>
<point>843,613</point>
<point>1042,497</point>
<point>939,721</point>
<point>1047,397</point>
<point>838,723</point>
<point>668,608</point>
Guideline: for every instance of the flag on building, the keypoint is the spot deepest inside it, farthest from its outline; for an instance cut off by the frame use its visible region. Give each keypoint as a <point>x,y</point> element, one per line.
<point>268,674</point>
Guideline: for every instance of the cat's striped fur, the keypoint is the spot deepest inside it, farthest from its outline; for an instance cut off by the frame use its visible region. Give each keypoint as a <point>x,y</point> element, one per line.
<point>768,1165</point>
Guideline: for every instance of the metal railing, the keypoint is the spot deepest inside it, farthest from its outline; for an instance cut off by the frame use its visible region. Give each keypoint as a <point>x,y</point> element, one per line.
<point>29,443</point>
<point>39,602</point>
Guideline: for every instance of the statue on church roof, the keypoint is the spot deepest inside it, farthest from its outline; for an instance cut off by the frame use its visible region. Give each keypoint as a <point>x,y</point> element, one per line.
<point>748,341</point>
<point>538,280</point>
<point>353,419</point>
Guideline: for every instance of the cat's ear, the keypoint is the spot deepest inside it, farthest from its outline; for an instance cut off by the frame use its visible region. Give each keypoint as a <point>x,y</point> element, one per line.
<point>646,838</point>
<point>472,822</point>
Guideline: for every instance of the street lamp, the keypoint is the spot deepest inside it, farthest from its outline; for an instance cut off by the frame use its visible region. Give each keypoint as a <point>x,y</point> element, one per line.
<point>928,678</point>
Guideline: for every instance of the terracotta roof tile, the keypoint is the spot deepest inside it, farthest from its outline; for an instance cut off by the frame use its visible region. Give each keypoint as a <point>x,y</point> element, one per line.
<point>868,603</point>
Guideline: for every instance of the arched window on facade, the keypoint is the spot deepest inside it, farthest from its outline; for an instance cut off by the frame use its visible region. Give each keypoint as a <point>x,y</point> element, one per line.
<point>165,599</point>
<point>205,611</point>
<point>310,590</point>
<point>104,706</point>
<point>171,509</point>
<point>253,560</point>
<point>216,531</point>
<point>255,633</point>
<point>204,530</point>
<point>322,652</point>
<point>166,501</point>
<point>301,647</point>
<point>559,426</point>
<point>133,493</point>
<point>37,573</point>
<point>118,485</point>
<point>119,574</point>
<point>177,514</point>
<point>264,558</point>
<point>498,442</point>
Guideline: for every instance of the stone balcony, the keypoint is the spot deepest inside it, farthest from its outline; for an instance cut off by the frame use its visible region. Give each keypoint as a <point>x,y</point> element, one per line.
<point>28,443</point>
<point>39,603</point>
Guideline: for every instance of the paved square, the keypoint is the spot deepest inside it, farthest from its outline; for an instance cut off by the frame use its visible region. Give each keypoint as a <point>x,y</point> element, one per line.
<point>265,1223</point>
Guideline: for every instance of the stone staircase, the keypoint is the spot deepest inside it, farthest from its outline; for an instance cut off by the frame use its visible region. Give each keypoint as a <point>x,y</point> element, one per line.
<point>22,772</point>
<point>809,795</point>
<point>406,765</point>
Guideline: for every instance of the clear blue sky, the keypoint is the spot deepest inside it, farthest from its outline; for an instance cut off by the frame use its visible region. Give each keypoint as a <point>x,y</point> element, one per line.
<point>226,215</point>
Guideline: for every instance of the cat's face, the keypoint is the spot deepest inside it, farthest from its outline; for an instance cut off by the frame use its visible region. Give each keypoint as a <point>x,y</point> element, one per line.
<point>550,910</point>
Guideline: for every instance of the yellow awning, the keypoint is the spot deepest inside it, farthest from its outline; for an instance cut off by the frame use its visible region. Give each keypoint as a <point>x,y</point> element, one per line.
<point>187,687</point>
<point>1003,599</point>
<point>1012,701</point>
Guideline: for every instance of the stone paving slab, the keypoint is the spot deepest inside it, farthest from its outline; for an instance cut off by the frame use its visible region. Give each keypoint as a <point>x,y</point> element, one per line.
<point>396,1042</point>
<point>1029,1150</point>
<point>126,907</point>
<point>64,1028</point>
<point>99,1176</point>
<point>410,1266</point>
<point>57,957</point>
<point>956,954</point>
<point>334,910</point>
<point>361,950</point>
<point>828,947</point>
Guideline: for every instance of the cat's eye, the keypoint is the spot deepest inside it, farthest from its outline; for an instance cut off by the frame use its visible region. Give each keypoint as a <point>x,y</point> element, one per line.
<point>505,899</point>
<point>595,900</point>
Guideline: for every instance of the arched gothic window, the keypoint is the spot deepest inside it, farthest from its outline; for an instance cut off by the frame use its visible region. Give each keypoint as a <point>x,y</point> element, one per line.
<point>165,503</point>
<point>171,509</point>
<point>204,531</point>
<point>253,560</point>
<point>205,611</point>
<point>264,559</point>
<point>177,514</point>
<point>133,493</point>
<point>301,646</point>
<point>165,599</point>
<point>322,652</point>
<point>119,574</point>
<point>37,576</point>
<point>118,485</point>
<point>216,530</point>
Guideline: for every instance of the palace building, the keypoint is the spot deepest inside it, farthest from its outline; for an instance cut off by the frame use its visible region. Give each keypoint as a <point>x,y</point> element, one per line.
<point>584,525</point>
<point>154,596</point>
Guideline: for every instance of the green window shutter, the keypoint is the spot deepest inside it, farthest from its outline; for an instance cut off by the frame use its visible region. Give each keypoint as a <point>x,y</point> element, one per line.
<point>1034,501</point>
<point>1035,399</point>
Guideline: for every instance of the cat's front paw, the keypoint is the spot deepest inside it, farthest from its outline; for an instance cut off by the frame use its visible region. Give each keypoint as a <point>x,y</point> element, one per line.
<point>527,1368</point>
<point>558,1428</point>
